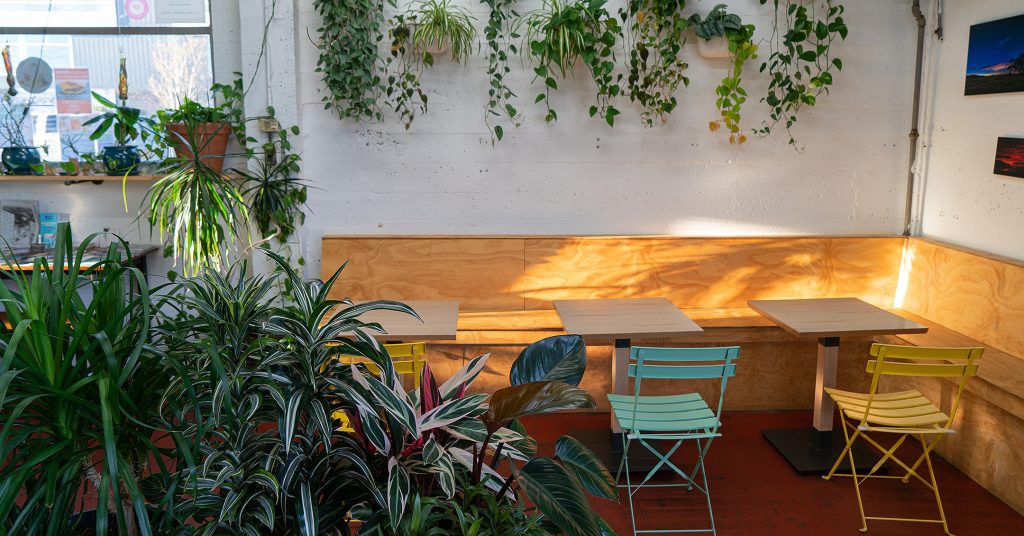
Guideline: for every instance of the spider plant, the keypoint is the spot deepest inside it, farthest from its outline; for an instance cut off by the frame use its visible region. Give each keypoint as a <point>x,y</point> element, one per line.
<point>560,33</point>
<point>79,390</point>
<point>199,208</point>
<point>440,24</point>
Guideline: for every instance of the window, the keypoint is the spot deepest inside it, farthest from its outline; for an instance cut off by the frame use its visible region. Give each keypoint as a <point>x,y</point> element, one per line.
<point>166,45</point>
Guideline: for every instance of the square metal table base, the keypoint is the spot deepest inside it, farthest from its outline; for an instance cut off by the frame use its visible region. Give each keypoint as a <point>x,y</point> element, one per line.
<point>811,452</point>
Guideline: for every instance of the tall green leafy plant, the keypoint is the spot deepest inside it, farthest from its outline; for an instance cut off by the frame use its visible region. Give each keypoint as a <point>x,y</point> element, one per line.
<point>657,34</point>
<point>198,210</point>
<point>559,34</point>
<point>730,94</point>
<point>79,392</point>
<point>800,61</point>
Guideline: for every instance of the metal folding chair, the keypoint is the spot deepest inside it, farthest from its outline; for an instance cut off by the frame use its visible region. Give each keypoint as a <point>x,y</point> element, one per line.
<point>672,418</point>
<point>905,413</point>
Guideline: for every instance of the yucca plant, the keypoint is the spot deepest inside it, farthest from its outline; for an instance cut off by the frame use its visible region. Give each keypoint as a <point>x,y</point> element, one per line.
<point>440,24</point>
<point>198,210</point>
<point>79,392</point>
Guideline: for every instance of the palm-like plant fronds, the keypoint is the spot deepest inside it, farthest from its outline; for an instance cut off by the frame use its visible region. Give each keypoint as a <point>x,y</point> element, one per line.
<point>79,389</point>
<point>439,23</point>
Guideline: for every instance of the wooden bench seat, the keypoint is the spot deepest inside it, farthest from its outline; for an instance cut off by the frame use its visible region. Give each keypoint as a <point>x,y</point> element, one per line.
<point>1000,377</point>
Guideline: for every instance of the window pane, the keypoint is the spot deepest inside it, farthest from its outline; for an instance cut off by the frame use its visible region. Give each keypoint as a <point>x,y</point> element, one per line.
<point>162,70</point>
<point>104,13</point>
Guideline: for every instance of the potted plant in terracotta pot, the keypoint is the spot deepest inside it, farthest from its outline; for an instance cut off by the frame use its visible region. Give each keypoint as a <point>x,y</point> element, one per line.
<point>128,125</point>
<point>208,125</point>
<point>19,158</point>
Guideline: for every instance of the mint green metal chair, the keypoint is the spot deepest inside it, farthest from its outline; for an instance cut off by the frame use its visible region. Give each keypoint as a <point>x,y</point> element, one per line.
<point>672,418</point>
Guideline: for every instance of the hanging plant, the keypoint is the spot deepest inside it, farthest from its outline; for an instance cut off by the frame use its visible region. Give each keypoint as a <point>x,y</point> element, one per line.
<point>658,32</point>
<point>501,37</point>
<point>441,26</point>
<point>729,95</point>
<point>800,61</point>
<point>403,70</point>
<point>559,34</point>
<point>349,60</point>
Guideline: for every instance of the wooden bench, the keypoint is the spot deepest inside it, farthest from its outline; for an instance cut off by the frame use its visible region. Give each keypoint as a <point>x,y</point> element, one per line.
<point>506,285</point>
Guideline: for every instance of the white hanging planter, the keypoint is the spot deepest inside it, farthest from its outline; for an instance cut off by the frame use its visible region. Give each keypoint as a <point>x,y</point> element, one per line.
<point>716,48</point>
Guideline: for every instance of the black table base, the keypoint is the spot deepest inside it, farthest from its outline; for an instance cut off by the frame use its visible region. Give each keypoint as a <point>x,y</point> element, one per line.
<point>811,452</point>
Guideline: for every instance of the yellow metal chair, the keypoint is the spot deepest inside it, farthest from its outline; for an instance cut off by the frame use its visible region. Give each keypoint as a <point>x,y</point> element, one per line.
<point>905,413</point>
<point>410,362</point>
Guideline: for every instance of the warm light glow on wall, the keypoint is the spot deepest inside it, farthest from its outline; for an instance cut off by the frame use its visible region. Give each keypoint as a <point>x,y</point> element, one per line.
<point>906,266</point>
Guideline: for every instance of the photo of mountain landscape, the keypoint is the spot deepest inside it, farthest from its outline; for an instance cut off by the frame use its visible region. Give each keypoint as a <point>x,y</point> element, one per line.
<point>995,57</point>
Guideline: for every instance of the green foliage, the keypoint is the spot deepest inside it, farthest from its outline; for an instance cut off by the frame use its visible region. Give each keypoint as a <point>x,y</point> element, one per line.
<point>128,123</point>
<point>80,389</point>
<point>501,37</point>
<point>403,69</point>
<point>800,61</point>
<point>349,60</point>
<point>441,24</point>
<point>658,32</point>
<point>560,33</point>
<point>197,207</point>
<point>729,95</point>
<point>560,358</point>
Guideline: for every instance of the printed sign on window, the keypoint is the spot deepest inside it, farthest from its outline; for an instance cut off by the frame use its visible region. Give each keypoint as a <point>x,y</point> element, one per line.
<point>179,11</point>
<point>73,95</point>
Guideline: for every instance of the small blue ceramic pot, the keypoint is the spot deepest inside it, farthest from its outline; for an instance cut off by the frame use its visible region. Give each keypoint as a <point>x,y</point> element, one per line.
<point>20,160</point>
<point>121,160</point>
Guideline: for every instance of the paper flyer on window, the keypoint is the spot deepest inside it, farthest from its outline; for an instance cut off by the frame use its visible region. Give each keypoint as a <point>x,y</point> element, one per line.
<point>179,11</point>
<point>73,95</point>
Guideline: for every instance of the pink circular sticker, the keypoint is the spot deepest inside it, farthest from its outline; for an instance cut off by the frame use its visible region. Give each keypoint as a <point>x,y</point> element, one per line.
<point>136,9</point>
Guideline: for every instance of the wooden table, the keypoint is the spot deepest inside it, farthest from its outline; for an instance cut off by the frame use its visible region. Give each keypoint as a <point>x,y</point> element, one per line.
<point>814,450</point>
<point>439,321</point>
<point>621,320</point>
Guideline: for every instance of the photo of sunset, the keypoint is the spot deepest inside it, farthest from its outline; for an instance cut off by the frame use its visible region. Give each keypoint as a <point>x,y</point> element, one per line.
<point>995,57</point>
<point>1010,157</point>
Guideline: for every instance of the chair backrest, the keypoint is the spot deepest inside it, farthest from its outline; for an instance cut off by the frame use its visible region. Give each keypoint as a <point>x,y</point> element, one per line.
<point>683,364</point>
<point>922,361</point>
<point>410,359</point>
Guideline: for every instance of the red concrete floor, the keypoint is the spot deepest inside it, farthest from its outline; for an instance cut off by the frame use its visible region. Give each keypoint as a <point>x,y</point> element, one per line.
<point>755,492</point>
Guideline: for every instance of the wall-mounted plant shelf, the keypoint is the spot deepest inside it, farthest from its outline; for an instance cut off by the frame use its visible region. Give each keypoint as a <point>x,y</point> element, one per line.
<point>77,178</point>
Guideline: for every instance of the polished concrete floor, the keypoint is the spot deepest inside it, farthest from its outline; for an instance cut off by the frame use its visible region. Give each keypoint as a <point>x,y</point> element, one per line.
<point>755,492</point>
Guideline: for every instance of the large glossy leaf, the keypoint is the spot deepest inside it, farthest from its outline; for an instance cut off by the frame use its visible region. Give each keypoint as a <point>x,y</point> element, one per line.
<point>534,398</point>
<point>461,380</point>
<point>450,412</point>
<point>560,358</point>
<point>558,497</point>
<point>581,462</point>
<point>398,492</point>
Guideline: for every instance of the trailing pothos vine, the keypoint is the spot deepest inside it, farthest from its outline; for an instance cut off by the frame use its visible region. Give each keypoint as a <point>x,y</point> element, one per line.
<point>800,61</point>
<point>657,31</point>
<point>729,95</point>
<point>561,33</point>
<point>501,44</point>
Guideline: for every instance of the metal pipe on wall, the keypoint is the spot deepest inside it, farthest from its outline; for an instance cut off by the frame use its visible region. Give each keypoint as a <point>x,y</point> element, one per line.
<point>915,115</point>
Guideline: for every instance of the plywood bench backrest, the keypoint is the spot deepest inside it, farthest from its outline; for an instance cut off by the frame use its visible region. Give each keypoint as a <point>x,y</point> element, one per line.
<point>978,295</point>
<point>517,273</point>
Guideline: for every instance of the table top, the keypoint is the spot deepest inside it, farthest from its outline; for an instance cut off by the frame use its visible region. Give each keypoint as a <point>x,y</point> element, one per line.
<point>24,260</point>
<point>440,321</point>
<point>624,318</point>
<point>833,317</point>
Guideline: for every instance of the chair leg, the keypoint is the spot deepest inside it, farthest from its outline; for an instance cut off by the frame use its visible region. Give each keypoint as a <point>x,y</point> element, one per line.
<point>935,485</point>
<point>856,480</point>
<point>707,490</point>
<point>849,445</point>
<point>629,484</point>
